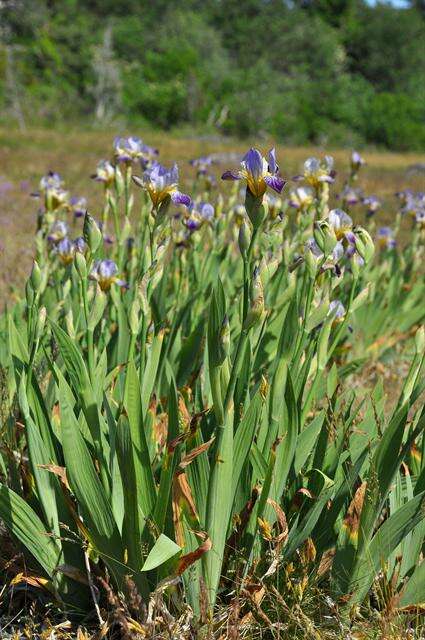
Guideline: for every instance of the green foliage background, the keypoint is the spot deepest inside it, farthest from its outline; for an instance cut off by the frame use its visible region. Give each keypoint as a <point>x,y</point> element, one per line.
<point>324,71</point>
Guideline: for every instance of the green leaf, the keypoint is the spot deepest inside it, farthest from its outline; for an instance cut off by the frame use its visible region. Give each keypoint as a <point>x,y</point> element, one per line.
<point>163,550</point>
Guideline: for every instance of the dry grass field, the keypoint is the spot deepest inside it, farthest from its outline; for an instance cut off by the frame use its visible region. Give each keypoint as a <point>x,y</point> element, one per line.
<point>25,156</point>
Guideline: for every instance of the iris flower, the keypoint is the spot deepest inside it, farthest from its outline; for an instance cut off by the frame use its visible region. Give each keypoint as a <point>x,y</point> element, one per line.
<point>372,203</point>
<point>105,272</point>
<point>301,198</point>
<point>317,172</point>
<point>199,213</point>
<point>258,172</point>
<point>201,164</point>
<point>78,206</point>
<point>65,250</point>
<point>385,238</point>
<point>105,172</point>
<point>58,231</point>
<point>356,161</point>
<point>162,183</point>
<point>131,149</point>
<point>341,223</point>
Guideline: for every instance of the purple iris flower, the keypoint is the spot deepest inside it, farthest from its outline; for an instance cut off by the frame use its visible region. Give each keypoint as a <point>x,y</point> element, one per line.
<point>131,149</point>
<point>161,183</point>
<point>258,172</point>
<point>105,272</point>
<point>80,244</point>
<point>356,161</point>
<point>301,198</point>
<point>58,231</point>
<point>105,172</point>
<point>341,223</point>
<point>51,180</point>
<point>351,196</point>
<point>372,203</point>
<point>201,165</point>
<point>65,249</point>
<point>337,309</point>
<point>385,237</point>
<point>317,172</point>
<point>420,218</point>
<point>78,206</point>
<point>199,213</point>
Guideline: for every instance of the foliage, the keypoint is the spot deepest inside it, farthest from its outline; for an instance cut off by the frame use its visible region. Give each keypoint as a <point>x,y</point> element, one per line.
<point>305,71</point>
<point>178,410</point>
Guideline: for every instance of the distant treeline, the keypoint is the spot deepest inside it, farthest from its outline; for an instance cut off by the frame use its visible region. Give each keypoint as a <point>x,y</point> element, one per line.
<point>318,71</point>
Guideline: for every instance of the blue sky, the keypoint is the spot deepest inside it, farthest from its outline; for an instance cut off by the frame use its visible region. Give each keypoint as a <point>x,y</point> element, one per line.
<point>395,3</point>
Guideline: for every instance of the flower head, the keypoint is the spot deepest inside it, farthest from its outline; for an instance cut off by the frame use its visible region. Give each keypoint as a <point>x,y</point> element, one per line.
<point>162,183</point>
<point>202,164</point>
<point>301,198</point>
<point>105,172</point>
<point>131,149</point>
<point>65,249</point>
<point>199,213</point>
<point>51,180</point>
<point>58,231</point>
<point>78,206</point>
<point>372,203</point>
<point>258,172</point>
<point>420,218</point>
<point>351,196</point>
<point>317,172</point>
<point>341,223</point>
<point>356,161</point>
<point>385,238</point>
<point>105,272</point>
<point>337,310</point>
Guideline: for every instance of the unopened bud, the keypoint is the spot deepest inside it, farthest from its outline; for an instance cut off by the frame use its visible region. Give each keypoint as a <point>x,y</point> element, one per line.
<point>134,317</point>
<point>119,182</point>
<point>41,323</point>
<point>364,244</point>
<point>420,340</point>
<point>92,233</point>
<point>244,238</point>
<point>29,293</point>
<point>97,309</point>
<point>80,265</point>
<point>36,277</point>
<point>256,309</point>
<point>325,236</point>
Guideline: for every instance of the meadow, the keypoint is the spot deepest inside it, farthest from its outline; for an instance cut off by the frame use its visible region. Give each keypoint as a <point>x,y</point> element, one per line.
<point>212,388</point>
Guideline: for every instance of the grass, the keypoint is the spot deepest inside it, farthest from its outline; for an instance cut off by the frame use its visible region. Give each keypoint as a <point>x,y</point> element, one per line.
<point>25,156</point>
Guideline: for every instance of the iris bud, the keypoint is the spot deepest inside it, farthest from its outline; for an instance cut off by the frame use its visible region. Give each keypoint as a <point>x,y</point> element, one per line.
<point>244,238</point>
<point>119,182</point>
<point>256,309</point>
<point>98,307</point>
<point>29,293</point>
<point>364,244</point>
<point>133,318</point>
<point>81,265</point>
<point>324,236</point>
<point>420,340</point>
<point>36,277</point>
<point>41,323</point>
<point>92,233</point>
